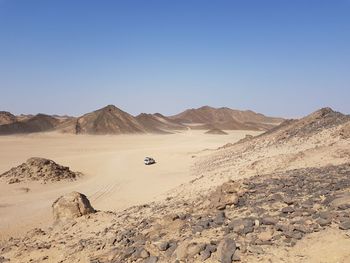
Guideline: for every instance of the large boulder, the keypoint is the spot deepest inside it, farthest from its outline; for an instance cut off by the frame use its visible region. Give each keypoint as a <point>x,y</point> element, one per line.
<point>71,206</point>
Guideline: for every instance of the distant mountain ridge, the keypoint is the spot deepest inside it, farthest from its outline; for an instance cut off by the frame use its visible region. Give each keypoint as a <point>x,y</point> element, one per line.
<point>112,120</point>
<point>226,119</point>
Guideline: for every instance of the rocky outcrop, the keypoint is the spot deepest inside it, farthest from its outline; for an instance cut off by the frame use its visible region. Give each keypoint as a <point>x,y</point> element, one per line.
<point>7,117</point>
<point>108,120</point>
<point>226,195</point>
<point>39,169</point>
<point>71,206</point>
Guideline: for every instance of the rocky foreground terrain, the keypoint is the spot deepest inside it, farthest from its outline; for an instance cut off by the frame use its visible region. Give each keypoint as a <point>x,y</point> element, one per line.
<point>236,220</point>
<point>39,169</point>
<point>249,201</point>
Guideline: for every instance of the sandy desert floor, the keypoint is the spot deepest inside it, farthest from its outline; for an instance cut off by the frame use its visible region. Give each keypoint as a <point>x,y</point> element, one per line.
<point>114,174</point>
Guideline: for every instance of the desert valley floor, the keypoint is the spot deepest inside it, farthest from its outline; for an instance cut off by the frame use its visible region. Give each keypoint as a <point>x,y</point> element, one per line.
<point>114,175</point>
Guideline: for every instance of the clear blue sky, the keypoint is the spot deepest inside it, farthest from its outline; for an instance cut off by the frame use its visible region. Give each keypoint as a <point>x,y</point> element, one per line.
<point>282,57</point>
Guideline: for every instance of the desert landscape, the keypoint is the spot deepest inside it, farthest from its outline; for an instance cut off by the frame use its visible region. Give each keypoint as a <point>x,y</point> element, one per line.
<point>187,131</point>
<point>273,195</point>
<point>114,175</point>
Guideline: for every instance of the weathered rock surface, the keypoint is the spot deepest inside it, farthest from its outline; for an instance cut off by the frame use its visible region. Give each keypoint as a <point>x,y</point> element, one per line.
<point>226,250</point>
<point>71,206</point>
<point>39,169</point>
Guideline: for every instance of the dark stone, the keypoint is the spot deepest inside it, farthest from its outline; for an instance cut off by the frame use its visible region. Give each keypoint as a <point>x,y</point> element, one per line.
<point>323,222</point>
<point>128,252</point>
<point>287,210</point>
<point>171,249</point>
<point>344,206</point>
<point>220,218</point>
<point>325,215</point>
<point>141,253</point>
<point>302,228</point>
<point>345,225</point>
<point>226,250</point>
<point>246,230</point>
<point>197,228</point>
<point>163,246</point>
<point>269,220</point>
<point>205,254</point>
<point>288,200</point>
<point>204,223</point>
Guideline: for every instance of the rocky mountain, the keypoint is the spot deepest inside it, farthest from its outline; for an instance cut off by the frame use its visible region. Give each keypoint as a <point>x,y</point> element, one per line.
<point>7,117</point>
<point>318,121</point>
<point>108,120</point>
<point>111,120</point>
<point>38,123</point>
<point>226,119</point>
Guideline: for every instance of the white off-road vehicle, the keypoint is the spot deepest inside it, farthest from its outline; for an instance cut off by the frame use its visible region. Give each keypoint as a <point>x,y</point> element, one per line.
<point>149,160</point>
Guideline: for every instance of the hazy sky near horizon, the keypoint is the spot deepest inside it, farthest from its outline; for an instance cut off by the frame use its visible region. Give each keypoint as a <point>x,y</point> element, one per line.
<point>278,57</point>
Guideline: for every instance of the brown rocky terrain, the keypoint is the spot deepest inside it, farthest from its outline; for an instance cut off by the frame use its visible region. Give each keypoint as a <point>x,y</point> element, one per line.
<point>7,117</point>
<point>158,123</point>
<point>111,120</point>
<point>38,123</point>
<point>39,169</point>
<point>283,196</point>
<point>226,119</point>
<point>71,206</point>
<point>318,121</point>
<point>108,120</point>
<point>235,222</point>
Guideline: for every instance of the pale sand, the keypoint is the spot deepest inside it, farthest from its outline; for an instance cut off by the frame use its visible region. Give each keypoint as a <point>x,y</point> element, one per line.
<point>328,246</point>
<point>115,176</point>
